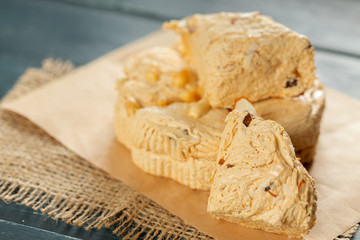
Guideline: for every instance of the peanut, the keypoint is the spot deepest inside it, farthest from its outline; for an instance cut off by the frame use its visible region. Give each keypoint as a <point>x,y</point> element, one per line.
<point>199,108</point>
<point>152,75</point>
<point>163,102</point>
<point>189,95</point>
<point>131,106</point>
<point>180,79</point>
<point>120,81</point>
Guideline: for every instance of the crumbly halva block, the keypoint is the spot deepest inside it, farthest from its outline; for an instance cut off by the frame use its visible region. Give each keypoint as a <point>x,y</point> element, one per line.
<point>158,76</point>
<point>245,54</point>
<point>259,182</point>
<point>179,138</point>
<point>166,141</point>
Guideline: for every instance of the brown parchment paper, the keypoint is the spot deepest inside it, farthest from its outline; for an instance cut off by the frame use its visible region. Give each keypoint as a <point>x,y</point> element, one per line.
<point>77,110</point>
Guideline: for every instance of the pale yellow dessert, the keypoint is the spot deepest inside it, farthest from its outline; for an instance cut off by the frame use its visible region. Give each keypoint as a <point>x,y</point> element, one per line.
<point>245,54</point>
<point>160,117</point>
<point>166,141</point>
<point>300,116</point>
<point>158,76</point>
<point>177,135</point>
<point>259,182</point>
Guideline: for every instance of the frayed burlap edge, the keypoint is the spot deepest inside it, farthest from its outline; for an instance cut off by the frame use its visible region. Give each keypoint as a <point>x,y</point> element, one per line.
<point>349,233</point>
<point>37,171</point>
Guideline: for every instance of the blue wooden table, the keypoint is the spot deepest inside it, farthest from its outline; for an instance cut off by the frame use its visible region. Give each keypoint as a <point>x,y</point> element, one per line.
<point>82,30</point>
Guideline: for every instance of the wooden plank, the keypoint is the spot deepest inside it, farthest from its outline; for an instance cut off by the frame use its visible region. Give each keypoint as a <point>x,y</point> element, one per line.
<point>52,29</point>
<point>95,32</point>
<point>24,48</point>
<point>34,30</point>
<point>356,236</point>
<point>331,24</point>
<point>33,220</point>
<point>14,231</point>
<point>339,72</point>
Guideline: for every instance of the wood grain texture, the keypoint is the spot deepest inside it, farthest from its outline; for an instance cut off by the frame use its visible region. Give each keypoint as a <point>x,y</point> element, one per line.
<point>356,236</point>
<point>331,25</point>
<point>37,224</point>
<point>14,231</point>
<point>34,30</point>
<point>339,72</point>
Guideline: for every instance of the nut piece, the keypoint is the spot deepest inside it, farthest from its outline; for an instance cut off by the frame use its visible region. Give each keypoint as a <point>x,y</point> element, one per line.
<point>189,95</point>
<point>163,102</point>
<point>131,106</point>
<point>199,91</point>
<point>243,104</point>
<point>180,79</point>
<point>152,75</point>
<point>199,108</point>
<point>120,81</point>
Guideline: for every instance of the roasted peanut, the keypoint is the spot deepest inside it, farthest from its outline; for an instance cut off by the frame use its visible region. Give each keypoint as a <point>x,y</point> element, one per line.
<point>180,79</point>
<point>199,108</point>
<point>199,91</point>
<point>131,106</point>
<point>189,95</point>
<point>120,81</point>
<point>162,102</point>
<point>152,75</point>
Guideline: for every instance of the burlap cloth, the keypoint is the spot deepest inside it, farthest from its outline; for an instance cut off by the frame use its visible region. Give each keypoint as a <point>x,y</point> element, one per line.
<point>37,171</point>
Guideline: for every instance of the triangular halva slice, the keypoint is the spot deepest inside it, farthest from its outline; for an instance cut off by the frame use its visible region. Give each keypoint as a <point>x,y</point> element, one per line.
<point>259,182</point>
